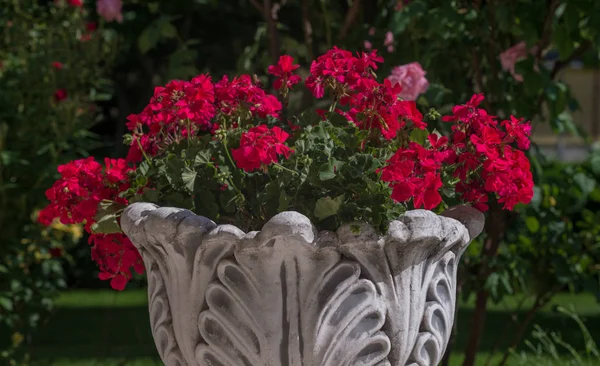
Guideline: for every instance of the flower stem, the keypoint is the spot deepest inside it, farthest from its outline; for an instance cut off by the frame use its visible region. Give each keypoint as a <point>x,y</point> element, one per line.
<point>143,152</point>
<point>286,169</point>
<point>232,164</point>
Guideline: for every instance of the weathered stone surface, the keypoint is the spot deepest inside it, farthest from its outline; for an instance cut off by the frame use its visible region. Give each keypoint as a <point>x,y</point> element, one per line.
<point>288,295</point>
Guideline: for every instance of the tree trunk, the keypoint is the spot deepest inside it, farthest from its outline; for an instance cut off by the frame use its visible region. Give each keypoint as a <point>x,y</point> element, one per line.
<point>495,229</point>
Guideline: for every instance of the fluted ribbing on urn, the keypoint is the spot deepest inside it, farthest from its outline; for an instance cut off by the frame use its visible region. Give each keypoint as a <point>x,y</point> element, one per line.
<point>289,295</point>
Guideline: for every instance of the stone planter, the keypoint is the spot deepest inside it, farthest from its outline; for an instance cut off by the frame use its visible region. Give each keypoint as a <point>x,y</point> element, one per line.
<point>288,295</point>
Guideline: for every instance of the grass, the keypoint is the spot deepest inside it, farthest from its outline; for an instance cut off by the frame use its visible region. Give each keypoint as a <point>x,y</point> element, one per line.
<point>106,328</point>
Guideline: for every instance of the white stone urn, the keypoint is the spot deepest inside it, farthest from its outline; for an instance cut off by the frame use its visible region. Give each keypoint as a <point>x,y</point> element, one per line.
<point>291,296</point>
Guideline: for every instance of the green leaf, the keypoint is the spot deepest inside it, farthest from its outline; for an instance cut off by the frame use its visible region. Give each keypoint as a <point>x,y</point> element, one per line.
<point>595,195</point>
<point>189,178</point>
<point>173,169</point>
<point>206,205</point>
<point>148,39</point>
<point>108,224</point>
<point>284,201</point>
<point>572,18</point>
<point>177,199</point>
<point>365,162</point>
<point>144,167</point>
<point>150,195</point>
<point>202,158</point>
<point>6,303</point>
<point>326,206</point>
<point>563,41</point>
<point>227,200</point>
<point>168,30</point>
<point>419,136</point>
<point>585,183</point>
<point>448,192</point>
<point>532,224</point>
<point>557,94</point>
<point>400,20</point>
<point>328,170</point>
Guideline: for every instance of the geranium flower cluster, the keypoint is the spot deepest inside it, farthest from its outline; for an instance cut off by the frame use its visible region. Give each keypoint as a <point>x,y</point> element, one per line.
<point>225,147</point>
<point>415,172</point>
<point>479,154</point>
<point>260,147</point>
<point>370,104</point>
<point>75,198</point>
<point>284,71</point>
<point>490,156</point>
<point>181,109</point>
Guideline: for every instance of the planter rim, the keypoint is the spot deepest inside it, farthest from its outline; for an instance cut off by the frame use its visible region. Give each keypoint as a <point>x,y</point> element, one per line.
<point>163,223</point>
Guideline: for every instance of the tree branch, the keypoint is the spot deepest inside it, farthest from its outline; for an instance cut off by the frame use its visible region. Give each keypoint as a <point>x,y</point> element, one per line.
<point>559,65</point>
<point>579,51</point>
<point>271,31</point>
<point>494,235</point>
<point>547,29</point>
<point>351,16</point>
<point>269,12</point>
<point>308,31</point>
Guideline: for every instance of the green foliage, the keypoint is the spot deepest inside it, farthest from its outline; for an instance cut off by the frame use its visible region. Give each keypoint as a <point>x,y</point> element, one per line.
<point>328,178</point>
<point>554,350</point>
<point>37,132</point>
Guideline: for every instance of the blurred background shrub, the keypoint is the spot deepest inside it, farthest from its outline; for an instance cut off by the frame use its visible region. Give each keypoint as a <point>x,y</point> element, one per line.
<point>70,75</point>
<point>53,63</point>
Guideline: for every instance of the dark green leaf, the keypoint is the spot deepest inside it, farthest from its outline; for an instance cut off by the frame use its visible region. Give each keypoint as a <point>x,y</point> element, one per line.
<point>326,206</point>
<point>6,303</point>
<point>563,41</point>
<point>148,39</point>
<point>144,167</point>
<point>532,224</point>
<point>227,200</point>
<point>400,20</point>
<point>206,205</point>
<point>328,170</point>
<point>284,201</point>
<point>585,183</point>
<point>202,158</point>
<point>168,30</point>
<point>189,178</point>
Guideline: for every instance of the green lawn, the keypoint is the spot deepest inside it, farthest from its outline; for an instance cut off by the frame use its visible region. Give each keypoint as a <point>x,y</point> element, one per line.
<point>106,328</point>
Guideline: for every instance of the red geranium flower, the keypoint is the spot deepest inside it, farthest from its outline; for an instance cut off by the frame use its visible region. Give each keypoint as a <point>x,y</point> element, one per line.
<point>260,146</point>
<point>284,68</point>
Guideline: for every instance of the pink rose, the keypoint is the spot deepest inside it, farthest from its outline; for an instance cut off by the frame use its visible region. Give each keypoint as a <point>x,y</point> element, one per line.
<point>389,41</point>
<point>411,78</point>
<point>368,45</point>
<point>511,56</point>
<point>110,10</point>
